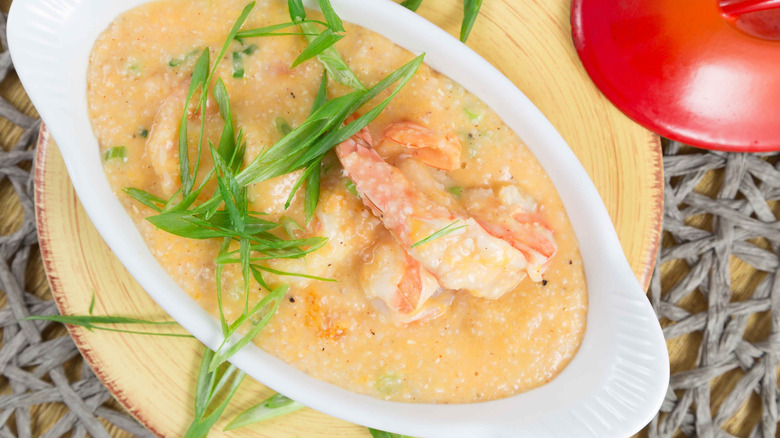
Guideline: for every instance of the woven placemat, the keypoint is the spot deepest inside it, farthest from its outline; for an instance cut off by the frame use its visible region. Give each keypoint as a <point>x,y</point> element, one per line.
<point>42,372</point>
<point>715,288</point>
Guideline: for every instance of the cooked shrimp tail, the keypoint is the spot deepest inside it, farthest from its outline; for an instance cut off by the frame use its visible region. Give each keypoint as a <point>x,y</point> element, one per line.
<point>404,289</point>
<point>433,148</point>
<point>514,217</point>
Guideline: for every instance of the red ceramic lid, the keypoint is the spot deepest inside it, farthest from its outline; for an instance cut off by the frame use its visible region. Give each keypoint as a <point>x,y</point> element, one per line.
<point>703,72</point>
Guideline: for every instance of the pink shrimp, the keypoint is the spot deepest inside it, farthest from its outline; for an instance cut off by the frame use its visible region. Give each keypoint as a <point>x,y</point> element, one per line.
<point>514,217</point>
<point>402,286</point>
<point>467,258</point>
<point>433,148</point>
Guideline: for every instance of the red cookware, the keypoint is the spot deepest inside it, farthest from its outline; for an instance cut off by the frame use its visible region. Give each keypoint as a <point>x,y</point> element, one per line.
<point>704,72</point>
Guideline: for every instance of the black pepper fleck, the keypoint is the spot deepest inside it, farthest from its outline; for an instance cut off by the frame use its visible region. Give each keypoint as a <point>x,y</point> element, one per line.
<point>292,300</point>
<point>544,282</point>
<point>569,261</point>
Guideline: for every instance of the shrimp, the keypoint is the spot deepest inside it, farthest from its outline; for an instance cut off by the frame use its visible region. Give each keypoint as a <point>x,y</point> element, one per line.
<point>341,219</point>
<point>515,217</point>
<point>467,258</point>
<point>433,148</point>
<point>401,285</point>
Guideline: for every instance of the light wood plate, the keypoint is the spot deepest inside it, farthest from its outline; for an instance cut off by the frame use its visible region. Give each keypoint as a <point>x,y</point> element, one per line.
<point>154,377</point>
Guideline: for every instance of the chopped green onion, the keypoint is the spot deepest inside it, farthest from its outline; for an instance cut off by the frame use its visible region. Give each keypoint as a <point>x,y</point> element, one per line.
<point>282,125</point>
<point>297,11</point>
<point>441,233</point>
<point>228,348</point>
<point>90,323</point>
<point>267,31</point>
<point>456,191</point>
<point>312,193</point>
<point>143,132</point>
<point>290,226</point>
<point>388,383</point>
<point>250,50</point>
<point>292,274</point>
<point>412,5</point>
<point>382,434</point>
<point>351,188</point>
<point>135,67</point>
<point>334,22</point>
<point>311,136</point>
<point>92,303</point>
<point>272,407</point>
<point>470,12</point>
<point>238,60</point>
<point>322,93</point>
<point>213,391</point>
<point>183,58</point>
<point>331,59</point>
<point>197,82</point>
<point>474,117</point>
<point>238,65</point>
<point>116,152</point>
<point>322,42</point>
<point>152,201</point>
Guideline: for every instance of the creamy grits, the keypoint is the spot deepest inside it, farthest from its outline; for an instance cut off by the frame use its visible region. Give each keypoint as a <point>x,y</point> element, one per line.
<point>461,341</point>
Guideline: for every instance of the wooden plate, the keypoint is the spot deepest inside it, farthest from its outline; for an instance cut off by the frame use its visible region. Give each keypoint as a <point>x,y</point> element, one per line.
<point>154,377</point>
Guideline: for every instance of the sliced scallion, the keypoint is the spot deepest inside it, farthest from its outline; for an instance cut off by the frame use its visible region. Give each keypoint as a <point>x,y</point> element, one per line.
<point>282,125</point>
<point>116,152</point>
<point>351,188</point>
<point>441,233</point>
<point>272,407</point>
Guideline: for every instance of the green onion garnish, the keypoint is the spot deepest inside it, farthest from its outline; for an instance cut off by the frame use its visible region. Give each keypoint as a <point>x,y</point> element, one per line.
<point>351,188</point>
<point>272,407</point>
<point>282,125</point>
<point>382,434</point>
<point>474,116</point>
<point>213,391</point>
<point>456,191</point>
<point>412,5</point>
<point>119,152</point>
<point>238,60</point>
<point>290,226</point>
<point>440,233</point>
<point>250,50</point>
<point>90,323</point>
<point>175,62</point>
<point>238,65</point>
<point>470,12</point>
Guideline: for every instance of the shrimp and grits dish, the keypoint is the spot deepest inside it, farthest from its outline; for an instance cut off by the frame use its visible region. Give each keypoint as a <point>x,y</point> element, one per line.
<point>389,233</point>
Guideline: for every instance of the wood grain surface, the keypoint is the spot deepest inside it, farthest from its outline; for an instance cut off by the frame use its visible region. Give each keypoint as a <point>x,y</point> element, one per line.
<point>154,377</point>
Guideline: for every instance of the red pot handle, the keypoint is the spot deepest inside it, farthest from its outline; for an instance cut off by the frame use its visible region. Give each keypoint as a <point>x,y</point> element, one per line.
<point>734,8</point>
